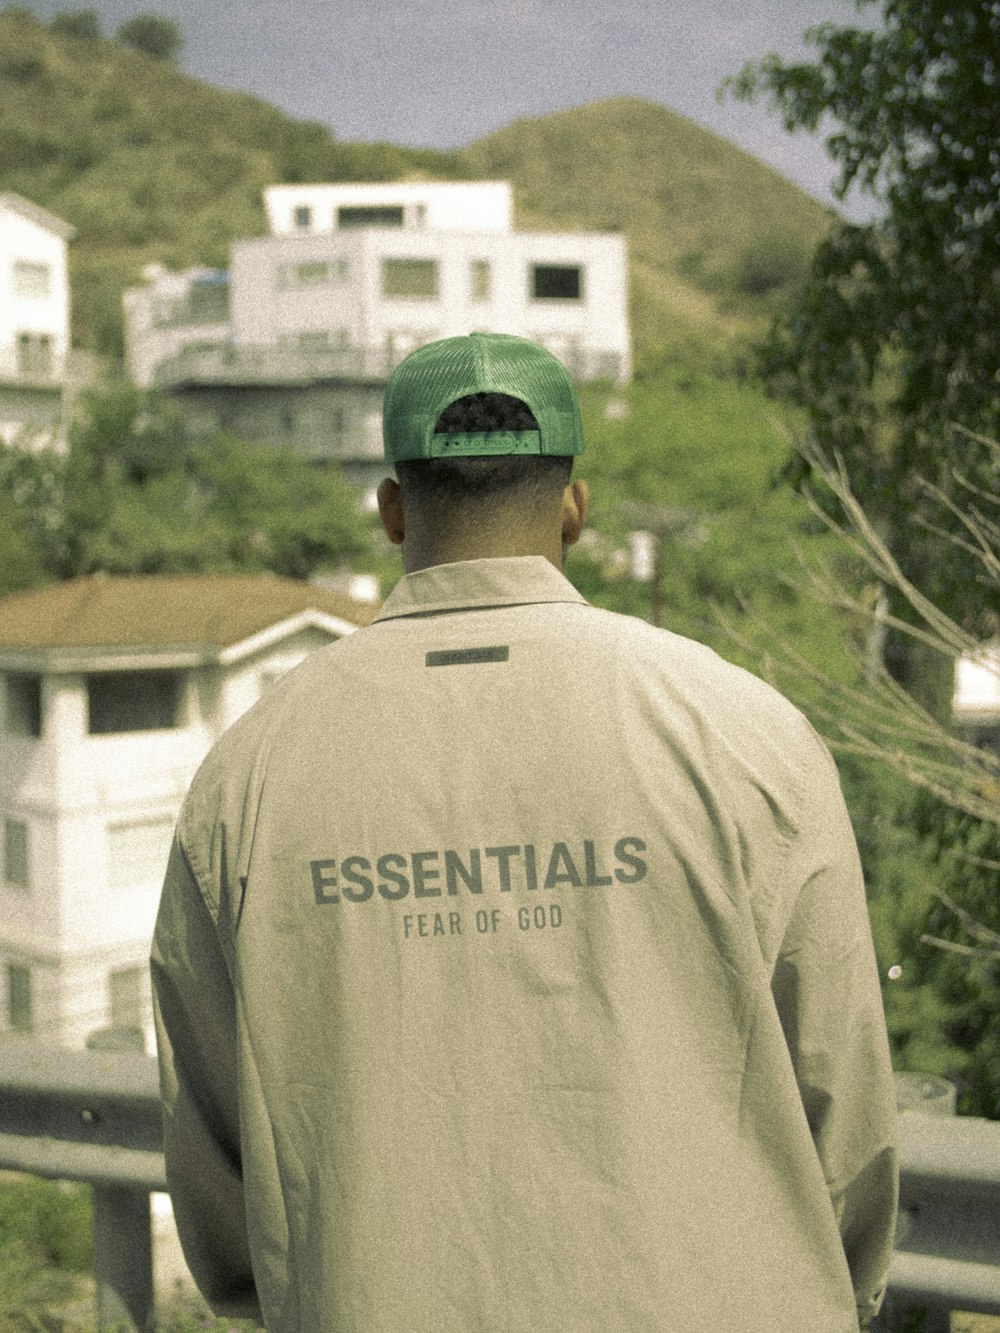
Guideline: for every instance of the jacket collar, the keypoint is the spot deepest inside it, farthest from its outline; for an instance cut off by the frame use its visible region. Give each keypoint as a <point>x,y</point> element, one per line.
<point>469,584</point>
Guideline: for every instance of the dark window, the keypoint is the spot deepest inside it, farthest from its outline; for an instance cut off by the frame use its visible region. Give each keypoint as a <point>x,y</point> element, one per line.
<point>133,701</point>
<point>556,282</point>
<point>24,705</point>
<point>208,301</point>
<point>410,277</point>
<point>20,1002</point>
<point>370,215</point>
<point>32,279</point>
<point>16,870</point>
<point>303,217</point>
<point>314,340</point>
<point>34,354</point>
<point>480,280</point>
<point>308,275</point>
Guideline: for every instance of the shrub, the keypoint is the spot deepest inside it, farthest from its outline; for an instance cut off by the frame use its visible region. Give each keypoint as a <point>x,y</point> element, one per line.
<point>111,104</point>
<point>48,1218</point>
<point>770,262</point>
<point>152,35</point>
<point>22,147</point>
<point>28,1289</point>
<point>81,25</point>
<point>23,68</point>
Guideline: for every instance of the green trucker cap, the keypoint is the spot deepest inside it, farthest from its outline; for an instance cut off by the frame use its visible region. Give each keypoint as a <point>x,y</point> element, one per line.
<point>437,374</point>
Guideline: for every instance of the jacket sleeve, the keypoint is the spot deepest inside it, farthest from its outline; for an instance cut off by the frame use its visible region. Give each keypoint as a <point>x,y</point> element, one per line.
<point>194,1012</point>
<point>826,988</point>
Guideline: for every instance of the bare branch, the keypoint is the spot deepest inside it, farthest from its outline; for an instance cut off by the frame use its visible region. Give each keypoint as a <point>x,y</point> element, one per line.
<point>980,862</point>
<point>992,445</point>
<point>864,539</point>
<point>980,546</point>
<point>967,950</point>
<point>975,928</point>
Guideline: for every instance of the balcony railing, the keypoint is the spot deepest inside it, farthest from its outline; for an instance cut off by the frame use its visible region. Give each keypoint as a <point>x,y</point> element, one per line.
<point>32,372</point>
<point>249,365</point>
<point>95,1116</point>
<point>198,364</point>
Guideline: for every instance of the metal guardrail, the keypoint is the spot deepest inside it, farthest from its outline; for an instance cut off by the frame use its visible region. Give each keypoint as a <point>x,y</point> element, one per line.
<point>947,1254</point>
<point>94,1116</point>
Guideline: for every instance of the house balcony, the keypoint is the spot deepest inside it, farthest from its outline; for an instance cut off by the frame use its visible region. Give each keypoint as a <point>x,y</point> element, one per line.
<point>42,373</point>
<point>202,365</point>
<point>224,366</point>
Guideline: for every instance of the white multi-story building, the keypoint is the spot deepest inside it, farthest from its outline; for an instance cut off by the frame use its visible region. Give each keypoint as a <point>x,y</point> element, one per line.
<point>111,692</point>
<point>34,323</point>
<point>976,697</point>
<point>463,206</point>
<point>293,345</point>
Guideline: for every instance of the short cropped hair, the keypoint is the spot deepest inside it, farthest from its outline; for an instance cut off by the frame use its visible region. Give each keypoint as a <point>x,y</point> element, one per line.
<point>525,478</point>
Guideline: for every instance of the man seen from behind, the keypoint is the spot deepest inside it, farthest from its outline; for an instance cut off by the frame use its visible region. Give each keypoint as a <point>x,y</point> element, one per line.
<point>512,970</point>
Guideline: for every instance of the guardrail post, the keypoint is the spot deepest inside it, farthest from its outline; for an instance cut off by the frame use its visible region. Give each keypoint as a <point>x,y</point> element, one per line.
<point>916,1094</point>
<point>123,1258</point>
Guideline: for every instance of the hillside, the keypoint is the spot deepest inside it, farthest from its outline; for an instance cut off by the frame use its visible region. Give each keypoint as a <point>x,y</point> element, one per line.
<point>715,235</point>
<point>149,164</point>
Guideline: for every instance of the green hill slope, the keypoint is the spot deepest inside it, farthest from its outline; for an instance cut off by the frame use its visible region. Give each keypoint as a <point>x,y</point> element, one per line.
<point>716,237</point>
<point>149,164</point>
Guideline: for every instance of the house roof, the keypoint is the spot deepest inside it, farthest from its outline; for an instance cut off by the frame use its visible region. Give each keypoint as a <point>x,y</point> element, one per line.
<point>16,203</point>
<point>197,616</point>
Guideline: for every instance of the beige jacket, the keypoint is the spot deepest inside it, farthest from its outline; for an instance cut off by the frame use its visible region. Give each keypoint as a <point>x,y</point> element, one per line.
<point>513,974</point>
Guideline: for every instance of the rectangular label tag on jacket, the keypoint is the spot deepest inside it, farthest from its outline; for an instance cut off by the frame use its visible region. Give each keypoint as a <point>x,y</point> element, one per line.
<point>466,656</point>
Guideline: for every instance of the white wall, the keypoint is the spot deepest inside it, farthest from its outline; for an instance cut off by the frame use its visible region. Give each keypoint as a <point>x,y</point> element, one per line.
<point>150,337</point>
<point>269,301</point>
<point>25,241</point>
<point>977,686</point>
<point>100,811</point>
<point>350,303</point>
<point>436,205</point>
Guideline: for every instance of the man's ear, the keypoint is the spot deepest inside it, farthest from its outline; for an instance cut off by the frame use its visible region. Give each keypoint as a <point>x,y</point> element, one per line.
<point>576,501</point>
<point>390,509</point>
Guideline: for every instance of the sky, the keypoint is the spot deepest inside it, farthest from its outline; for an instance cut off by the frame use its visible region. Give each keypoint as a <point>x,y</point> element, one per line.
<point>442,73</point>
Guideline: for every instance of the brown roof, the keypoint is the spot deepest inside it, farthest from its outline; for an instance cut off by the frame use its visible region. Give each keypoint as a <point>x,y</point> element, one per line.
<point>163,611</point>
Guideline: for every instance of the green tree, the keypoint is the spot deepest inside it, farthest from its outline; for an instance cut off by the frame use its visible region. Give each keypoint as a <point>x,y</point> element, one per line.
<point>692,460</point>
<point>31,490</point>
<point>897,332</point>
<point>133,495</point>
<point>80,24</point>
<point>153,35</point>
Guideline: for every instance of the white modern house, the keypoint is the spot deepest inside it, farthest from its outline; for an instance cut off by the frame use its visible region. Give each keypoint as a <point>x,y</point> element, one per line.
<point>293,344</point>
<point>469,206</point>
<point>976,697</point>
<point>111,692</point>
<point>34,324</point>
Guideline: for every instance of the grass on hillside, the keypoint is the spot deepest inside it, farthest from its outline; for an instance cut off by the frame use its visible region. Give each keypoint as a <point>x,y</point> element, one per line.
<point>718,240</point>
<point>149,164</point>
